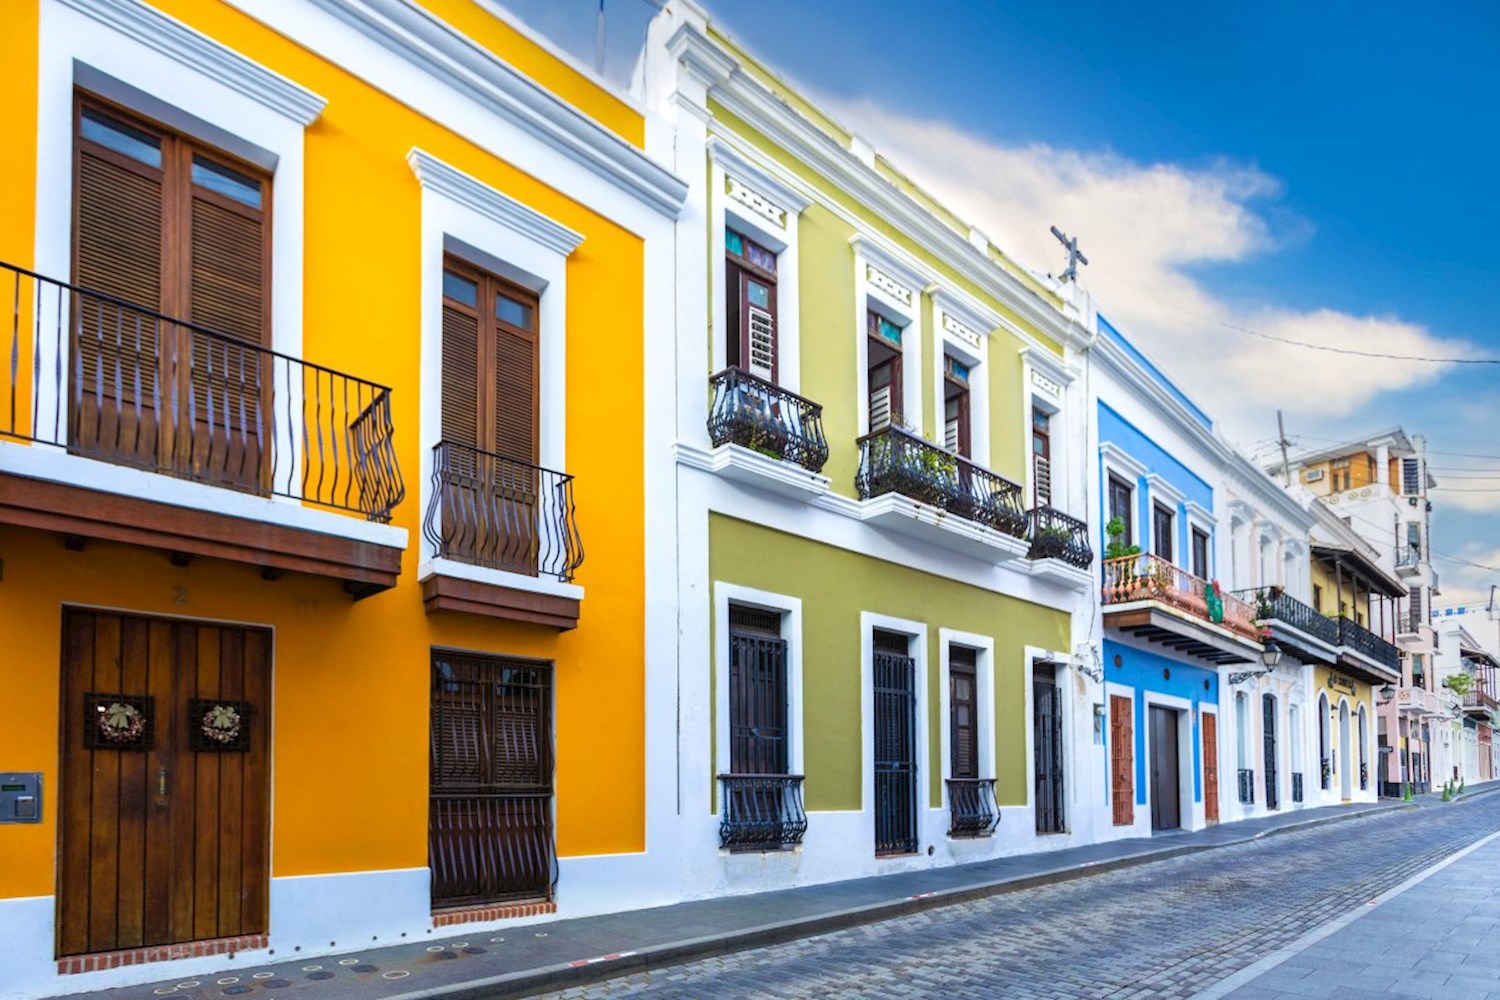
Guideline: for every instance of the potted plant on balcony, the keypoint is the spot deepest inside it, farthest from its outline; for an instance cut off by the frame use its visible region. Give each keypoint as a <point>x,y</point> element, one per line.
<point>1459,684</point>
<point>1126,578</point>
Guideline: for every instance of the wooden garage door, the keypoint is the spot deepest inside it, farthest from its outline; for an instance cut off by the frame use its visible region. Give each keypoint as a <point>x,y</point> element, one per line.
<point>164,812</point>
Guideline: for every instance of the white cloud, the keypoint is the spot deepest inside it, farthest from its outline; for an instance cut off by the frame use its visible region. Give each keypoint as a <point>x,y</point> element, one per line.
<point>1145,226</point>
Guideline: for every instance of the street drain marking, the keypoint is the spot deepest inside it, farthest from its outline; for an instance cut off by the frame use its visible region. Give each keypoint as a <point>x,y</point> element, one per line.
<point>397,974</point>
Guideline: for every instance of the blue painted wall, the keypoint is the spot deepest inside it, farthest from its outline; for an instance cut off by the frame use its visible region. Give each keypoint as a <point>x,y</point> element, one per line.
<point>1142,671</point>
<point>1118,338</point>
<point>1116,430</point>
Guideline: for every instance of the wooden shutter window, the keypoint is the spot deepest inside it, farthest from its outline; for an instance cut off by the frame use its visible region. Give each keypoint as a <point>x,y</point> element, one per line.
<point>490,363</point>
<point>750,306</point>
<point>963,723</point>
<point>1122,760</point>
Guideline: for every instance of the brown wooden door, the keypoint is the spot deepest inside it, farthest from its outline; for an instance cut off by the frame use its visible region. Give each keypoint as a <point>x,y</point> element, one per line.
<point>164,805</point>
<point>1210,767</point>
<point>1122,759</point>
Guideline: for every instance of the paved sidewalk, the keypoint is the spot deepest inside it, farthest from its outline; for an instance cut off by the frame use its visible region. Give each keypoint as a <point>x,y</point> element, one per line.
<point>520,960</point>
<point>1434,936</point>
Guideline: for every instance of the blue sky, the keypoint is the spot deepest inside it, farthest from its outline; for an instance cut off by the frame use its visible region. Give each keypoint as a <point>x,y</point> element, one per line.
<point>1317,171</point>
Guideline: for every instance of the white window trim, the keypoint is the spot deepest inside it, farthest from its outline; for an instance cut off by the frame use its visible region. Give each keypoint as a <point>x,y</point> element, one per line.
<point>1197,516</point>
<point>1064,668</point>
<point>916,631</point>
<point>1126,468</point>
<point>1045,380</point>
<point>984,697</point>
<point>464,216</point>
<point>962,329</point>
<point>873,265</point>
<point>727,166</point>
<point>790,609</point>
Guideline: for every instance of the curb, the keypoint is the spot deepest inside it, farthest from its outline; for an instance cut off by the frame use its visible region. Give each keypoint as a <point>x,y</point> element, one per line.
<point>557,977</point>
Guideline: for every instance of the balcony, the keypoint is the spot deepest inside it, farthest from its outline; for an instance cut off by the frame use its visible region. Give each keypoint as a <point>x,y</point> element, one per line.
<point>915,487</point>
<point>1247,786</point>
<point>1480,703</point>
<point>1056,536</point>
<point>1364,651</point>
<point>1301,631</point>
<point>972,811</point>
<point>766,436</point>
<point>1408,560</point>
<point>761,812</point>
<point>122,424</point>
<point>1425,704</point>
<point>513,519</point>
<point>1152,598</point>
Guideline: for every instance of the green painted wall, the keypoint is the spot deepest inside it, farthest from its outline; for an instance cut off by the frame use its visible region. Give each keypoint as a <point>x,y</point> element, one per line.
<point>835,586</point>
<point>830,373</point>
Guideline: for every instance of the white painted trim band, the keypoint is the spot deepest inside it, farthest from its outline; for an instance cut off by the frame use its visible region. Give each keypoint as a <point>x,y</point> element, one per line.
<point>494,205</point>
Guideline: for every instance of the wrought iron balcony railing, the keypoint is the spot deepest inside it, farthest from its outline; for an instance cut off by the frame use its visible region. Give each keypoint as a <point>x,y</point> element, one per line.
<point>1360,639</point>
<point>1247,785</point>
<point>893,460</point>
<point>972,810</point>
<point>1296,786</point>
<point>117,382</point>
<point>1275,604</point>
<point>489,510</point>
<point>1149,577</point>
<point>761,812</point>
<point>749,411</point>
<point>1055,535</point>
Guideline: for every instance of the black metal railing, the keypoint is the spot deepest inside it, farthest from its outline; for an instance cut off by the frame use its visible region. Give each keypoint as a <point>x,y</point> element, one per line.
<point>1325,773</point>
<point>1247,785</point>
<point>893,460</point>
<point>749,411</point>
<point>972,810</point>
<point>1055,535</point>
<point>761,812</point>
<point>1296,786</point>
<point>493,511</point>
<point>114,381</point>
<point>1362,640</point>
<point>1275,604</point>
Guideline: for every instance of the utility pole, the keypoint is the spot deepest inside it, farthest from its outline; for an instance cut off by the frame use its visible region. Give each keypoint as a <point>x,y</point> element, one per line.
<point>1075,256</point>
<point>1286,466</point>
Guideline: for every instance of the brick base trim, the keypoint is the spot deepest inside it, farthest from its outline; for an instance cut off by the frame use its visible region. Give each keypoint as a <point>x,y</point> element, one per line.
<point>101,960</point>
<point>475,914</point>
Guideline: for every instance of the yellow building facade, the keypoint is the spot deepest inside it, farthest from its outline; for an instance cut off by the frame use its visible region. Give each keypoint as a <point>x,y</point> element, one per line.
<point>294,583</point>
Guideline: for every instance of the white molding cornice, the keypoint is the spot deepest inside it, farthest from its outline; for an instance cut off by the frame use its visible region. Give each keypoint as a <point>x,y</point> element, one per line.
<point>1241,512</point>
<point>186,45</point>
<point>757,175</point>
<point>705,61</point>
<point>1122,461</point>
<point>438,176</point>
<point>975,316</point>
<point>435,48</point>
<point>1049,364</point>
<point>1160,489</point>
<point>1197,512</point>
<point>898,267</point>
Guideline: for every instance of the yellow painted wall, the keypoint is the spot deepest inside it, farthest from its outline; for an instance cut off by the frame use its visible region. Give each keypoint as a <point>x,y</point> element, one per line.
<point>1363,694</point>
<point>351,679</point>
<point>1322,577</point>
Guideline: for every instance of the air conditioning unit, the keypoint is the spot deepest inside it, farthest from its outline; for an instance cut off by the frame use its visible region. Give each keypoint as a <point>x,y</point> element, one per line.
<point>1313,475</point>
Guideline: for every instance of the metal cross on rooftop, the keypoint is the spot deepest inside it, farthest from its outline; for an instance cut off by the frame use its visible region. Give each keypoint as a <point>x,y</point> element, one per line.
<point>1075,255</point>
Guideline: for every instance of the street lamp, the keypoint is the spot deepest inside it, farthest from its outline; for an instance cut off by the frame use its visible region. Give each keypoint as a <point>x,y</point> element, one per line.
<point>1386,694</point>
<point>1270,656</point>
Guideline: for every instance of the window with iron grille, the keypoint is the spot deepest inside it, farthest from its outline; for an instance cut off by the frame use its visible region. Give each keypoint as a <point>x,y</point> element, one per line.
<point>490,816</point>
<point>757,692</point>
<point>1411,476</point>
<point>895,740</point>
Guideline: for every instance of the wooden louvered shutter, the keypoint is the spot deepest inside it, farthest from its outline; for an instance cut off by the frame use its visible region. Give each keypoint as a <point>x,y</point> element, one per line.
<point>515,395</point>
<point>963,709</point>
<point>460,375</point>
<point>1122,759</point>
<point>226,293</point>
<point>118,251</point>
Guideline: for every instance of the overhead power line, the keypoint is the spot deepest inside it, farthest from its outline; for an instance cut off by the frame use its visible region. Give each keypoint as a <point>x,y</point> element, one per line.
<point>1380,355</point>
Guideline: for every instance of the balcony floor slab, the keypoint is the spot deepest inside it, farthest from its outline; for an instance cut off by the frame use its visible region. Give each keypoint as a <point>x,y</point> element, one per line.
<point>938,527</point>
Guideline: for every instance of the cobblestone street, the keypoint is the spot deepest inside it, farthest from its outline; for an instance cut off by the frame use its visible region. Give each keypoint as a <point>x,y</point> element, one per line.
<point>1167,929</point>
